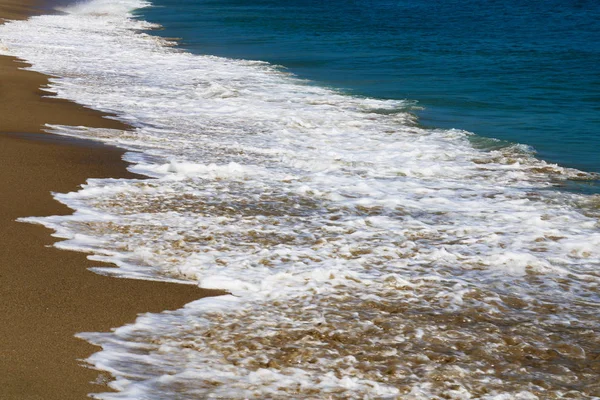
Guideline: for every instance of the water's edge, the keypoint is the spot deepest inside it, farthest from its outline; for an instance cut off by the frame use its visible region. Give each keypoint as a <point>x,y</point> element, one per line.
<point>367,257</point>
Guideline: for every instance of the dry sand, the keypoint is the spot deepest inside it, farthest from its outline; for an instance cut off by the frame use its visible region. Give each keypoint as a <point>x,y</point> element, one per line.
<point>48,295</point>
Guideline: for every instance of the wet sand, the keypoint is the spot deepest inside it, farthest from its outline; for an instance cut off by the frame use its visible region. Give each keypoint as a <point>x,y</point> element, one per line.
<point>48,295</point>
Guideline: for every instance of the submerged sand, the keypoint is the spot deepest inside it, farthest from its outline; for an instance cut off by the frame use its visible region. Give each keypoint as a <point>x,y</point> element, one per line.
<point>48,295</point>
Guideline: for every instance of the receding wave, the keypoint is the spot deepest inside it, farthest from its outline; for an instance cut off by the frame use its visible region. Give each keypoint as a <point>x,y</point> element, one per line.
<point>366,257</point>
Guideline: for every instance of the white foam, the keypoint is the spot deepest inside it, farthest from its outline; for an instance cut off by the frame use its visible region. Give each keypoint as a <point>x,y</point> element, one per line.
<point>311,207</point>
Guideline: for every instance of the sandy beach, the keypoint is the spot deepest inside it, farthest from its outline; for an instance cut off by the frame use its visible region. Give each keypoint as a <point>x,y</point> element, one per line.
<point>48,295</point>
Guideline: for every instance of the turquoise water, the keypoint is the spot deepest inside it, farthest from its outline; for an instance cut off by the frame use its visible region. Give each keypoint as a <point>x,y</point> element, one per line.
<point>524,72</point>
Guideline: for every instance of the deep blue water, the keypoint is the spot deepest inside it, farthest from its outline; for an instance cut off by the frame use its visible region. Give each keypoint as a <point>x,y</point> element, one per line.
<point>520,71</point>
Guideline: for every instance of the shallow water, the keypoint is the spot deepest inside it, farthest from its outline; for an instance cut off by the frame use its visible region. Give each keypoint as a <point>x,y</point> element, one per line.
<point>366,256</point>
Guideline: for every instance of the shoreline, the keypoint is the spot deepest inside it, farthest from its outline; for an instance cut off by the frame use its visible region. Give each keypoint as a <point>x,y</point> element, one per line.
<point>49,295</point>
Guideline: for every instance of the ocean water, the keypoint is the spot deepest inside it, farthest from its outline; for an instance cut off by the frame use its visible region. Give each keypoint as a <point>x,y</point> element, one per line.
<point>374,247</point>
<point>522,72</point>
